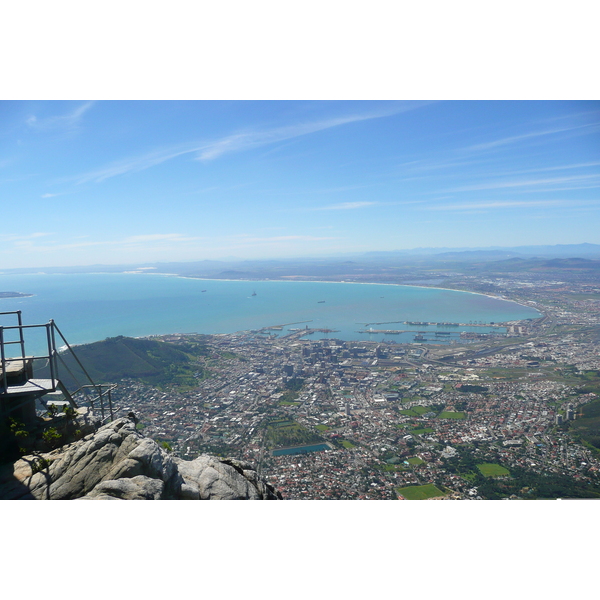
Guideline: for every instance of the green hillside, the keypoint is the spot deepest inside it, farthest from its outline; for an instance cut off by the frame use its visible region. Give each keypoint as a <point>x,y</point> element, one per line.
<point>152,361</point>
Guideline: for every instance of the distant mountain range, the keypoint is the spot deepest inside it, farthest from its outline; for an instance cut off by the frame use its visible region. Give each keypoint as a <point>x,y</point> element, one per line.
<point>496,252</point>
<point>347,263</point>
<point>542,264</point>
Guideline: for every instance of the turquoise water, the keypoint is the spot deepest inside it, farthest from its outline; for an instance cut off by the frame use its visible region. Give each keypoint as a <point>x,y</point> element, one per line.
<point>301,449</point>
<point>93,307</point>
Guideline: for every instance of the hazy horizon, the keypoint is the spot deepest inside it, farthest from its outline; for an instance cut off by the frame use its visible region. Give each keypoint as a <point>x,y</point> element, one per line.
<point>545,251</point>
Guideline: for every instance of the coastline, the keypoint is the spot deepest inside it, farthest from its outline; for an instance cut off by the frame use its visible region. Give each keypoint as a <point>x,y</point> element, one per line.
<point>424,287</point>
<point>87,331</point>
<point>178,276</point>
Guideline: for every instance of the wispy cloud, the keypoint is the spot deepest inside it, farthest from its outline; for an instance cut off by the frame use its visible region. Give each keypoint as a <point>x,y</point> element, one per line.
<point>158,237</point>
<point>494,185</point>
<point>526,136</point>
<point>130,165</point>
<point>141,246</point>
<point>424,165</point>
<point>12,237</point>
<point>67,122</point>
<point>559,167</point>
<point>49,195</point>
<point>236,142</point>
<point>280,238</point>
<point>348,205</point>
<point>510,204</point>
<point>29,241</point>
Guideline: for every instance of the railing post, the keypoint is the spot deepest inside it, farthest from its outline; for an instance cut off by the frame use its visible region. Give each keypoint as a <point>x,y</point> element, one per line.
<point>3,359</point>
<point>53,360</point>
<point>73,354</point>
<point>21,336</point>
<point>98,390</point>
<point>112,417</point>
<point>50,357</point>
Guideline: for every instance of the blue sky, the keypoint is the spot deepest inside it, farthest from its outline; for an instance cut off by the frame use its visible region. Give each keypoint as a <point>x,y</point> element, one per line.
<point>112,182</point>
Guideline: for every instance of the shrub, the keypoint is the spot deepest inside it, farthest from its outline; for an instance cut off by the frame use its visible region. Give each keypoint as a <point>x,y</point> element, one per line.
<point>69,411</point>
<point>40,465</point>
<point>52,437</point>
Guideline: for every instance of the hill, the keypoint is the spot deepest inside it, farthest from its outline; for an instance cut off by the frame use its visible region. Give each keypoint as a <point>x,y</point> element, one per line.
<point>151,361</point>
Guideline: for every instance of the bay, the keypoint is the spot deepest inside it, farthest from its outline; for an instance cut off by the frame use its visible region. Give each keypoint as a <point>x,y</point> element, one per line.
<point>91,307</point>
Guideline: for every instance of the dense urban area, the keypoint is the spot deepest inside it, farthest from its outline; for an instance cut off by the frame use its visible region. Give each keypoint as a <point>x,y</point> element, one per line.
<point>514,415</point>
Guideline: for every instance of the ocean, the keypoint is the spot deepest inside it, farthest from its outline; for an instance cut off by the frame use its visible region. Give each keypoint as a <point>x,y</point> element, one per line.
<point>92,307</point>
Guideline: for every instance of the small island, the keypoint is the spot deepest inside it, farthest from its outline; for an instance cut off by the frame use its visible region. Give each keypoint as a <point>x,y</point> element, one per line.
<point>14,295</point>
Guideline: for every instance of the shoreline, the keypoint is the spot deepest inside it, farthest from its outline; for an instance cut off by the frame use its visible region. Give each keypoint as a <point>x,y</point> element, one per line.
<point>151,331</point>
<point>424,287</point>
<point>178,276</point>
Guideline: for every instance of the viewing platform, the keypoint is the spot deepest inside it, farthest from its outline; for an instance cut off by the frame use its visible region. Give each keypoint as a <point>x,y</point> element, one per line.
<point>25,380</point>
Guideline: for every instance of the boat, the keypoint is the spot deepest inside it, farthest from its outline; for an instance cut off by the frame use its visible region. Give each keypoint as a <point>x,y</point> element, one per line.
<point>320,301</point>
<point>254,293</point>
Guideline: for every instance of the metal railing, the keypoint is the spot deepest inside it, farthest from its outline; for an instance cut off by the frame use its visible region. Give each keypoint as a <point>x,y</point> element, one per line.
<point>102,391</point>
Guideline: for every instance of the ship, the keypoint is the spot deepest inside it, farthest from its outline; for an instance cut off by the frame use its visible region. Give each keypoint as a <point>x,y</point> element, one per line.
<point>254,293</point>
<point>320,301</point>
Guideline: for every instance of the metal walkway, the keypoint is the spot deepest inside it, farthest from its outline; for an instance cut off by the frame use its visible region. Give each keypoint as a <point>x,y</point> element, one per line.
<point>19,388</point>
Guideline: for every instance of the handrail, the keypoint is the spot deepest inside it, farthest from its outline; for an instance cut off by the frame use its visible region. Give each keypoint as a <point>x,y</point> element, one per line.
<point>26,326</point>
<point>22,338</point>
<point>51,360</point>
<point>109,388</point>
<point>68,370</point>
<point>3,358</point>
<point>102,390</point>
<point>73,353</point>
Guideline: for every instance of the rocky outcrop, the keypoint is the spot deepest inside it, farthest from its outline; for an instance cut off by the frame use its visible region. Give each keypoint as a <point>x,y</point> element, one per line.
<point>118,462</point>
<point>208,477</point>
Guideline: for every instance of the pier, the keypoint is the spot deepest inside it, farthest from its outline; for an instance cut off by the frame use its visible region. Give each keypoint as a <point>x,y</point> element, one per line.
<point>434,323</point>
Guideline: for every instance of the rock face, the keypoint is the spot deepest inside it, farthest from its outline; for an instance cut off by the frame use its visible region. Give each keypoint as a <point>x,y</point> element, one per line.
<point>118,462</point>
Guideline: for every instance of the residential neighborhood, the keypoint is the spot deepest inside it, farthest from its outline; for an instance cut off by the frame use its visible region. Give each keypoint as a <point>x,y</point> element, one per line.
<point>331,419</point>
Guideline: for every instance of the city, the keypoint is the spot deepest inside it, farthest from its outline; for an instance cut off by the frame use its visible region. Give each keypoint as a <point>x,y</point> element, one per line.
<point>480,417</point>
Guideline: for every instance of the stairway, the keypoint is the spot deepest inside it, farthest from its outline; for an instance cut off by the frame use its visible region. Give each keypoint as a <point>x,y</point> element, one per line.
<point>20,389</point>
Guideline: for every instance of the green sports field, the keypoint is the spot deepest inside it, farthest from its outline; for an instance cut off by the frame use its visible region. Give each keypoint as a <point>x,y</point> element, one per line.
<point>415,411</point>
<point>420,492</point>
<point>492,470</point>
<point>451,415</point>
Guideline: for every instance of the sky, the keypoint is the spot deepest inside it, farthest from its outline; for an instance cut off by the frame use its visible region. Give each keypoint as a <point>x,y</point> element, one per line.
<point>110,182</point>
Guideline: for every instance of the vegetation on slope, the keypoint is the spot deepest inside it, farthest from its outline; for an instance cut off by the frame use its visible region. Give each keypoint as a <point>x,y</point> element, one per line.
<point>151,361</point>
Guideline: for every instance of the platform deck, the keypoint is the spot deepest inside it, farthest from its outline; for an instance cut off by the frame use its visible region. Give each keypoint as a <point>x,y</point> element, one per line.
<point>33,386</point>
